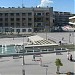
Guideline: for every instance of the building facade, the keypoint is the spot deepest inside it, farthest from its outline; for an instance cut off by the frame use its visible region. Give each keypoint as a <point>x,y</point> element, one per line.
<point>23,20</point>
<point>61,18</point>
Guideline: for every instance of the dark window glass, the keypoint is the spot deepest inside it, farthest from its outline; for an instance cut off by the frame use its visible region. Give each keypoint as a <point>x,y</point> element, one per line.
<point>6,19</point>
<point>29,30</point>
<point>1,14</point>
<point>1,24</point>
<point>39,14</point>
<point>29,19</point>
<point>29,24</point>
<point>12,14</point>
<point>12,19</point>
<point>17,14</point>
<point>29,14</point>
<point>23,30</point>
<point>6,14</point>
<point>1,19</point>
<point>18,30</point>
<point>6,24</point>
<point>23,14</point>
<point>17,19</point>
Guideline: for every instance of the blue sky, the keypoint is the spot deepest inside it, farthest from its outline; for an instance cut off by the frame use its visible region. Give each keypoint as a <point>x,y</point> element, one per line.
<point>58,5</point>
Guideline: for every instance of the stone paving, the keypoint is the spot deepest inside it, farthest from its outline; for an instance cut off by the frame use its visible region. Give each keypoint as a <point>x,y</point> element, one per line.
<point>10,66</point>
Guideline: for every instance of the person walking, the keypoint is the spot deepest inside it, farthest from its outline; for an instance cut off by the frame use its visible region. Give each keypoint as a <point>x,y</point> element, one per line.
<point>34,57</point>
<point>71,57</point>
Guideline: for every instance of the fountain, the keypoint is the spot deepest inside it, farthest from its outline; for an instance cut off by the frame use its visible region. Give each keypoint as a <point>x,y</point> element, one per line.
<point>5,48</point>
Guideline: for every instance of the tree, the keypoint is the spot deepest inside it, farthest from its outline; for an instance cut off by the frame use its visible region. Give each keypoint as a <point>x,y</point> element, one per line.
<point>58,64</point>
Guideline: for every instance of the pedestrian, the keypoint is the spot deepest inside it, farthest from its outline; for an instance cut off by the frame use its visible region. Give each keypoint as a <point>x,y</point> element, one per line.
<point>71,57</point>
<point>40,62</point>
<point>34,57</point>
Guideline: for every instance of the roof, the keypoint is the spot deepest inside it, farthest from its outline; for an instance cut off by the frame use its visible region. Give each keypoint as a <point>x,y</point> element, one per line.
<point>72,17</point>
<point>37,40</point>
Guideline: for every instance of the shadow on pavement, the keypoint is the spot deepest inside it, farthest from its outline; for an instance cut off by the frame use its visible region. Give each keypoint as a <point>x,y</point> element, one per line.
<point>71,73</point>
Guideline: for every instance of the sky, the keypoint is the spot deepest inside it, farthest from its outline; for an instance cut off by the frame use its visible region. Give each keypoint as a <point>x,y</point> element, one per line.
<point>58,5</point>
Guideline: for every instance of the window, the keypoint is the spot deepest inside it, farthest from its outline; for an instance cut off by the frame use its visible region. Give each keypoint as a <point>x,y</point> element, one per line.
<point>39,19</point>
<point>47,14</point>
<point>18,30</point>
<point>29,30</point>
<point>6,14</point>
<point>23,14</point>
<point>47,19</point>
<point>29,14</point>
<point>29,19</point>
<point>6,24</point>
<point>12,24</point>
<point>11,14</point>
<point>39,14</point>
<point>39,24</point>
<point>23,19</point>
<point>12,30</point>
<point>12,19</point>
<point>1,14</point>
<point>1,19</point>
<point>17,24</point>
<point>29,24</point>
<point>23,30</point>
<point>17,14</point>
<point>6,29</point>
<point>17,19</point>
<point>6,19</point>
<point>1,24</point>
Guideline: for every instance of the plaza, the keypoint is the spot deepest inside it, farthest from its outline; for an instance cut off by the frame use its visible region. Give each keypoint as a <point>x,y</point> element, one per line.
<point>10,66</point>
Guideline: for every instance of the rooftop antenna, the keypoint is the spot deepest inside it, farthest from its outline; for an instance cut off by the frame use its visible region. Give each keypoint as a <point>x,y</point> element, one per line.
<point>22,4</point>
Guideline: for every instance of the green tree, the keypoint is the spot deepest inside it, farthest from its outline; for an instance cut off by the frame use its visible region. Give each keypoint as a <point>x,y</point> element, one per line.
<point>58,63</point>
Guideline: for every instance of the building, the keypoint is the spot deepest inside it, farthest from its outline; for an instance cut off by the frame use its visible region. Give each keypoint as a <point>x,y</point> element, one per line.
<point>61,19</point>
<point>23,20</point>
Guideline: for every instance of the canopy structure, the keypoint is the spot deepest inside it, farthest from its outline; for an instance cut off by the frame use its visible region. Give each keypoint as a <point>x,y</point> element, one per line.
<point>72,20</point>
<point>39,41</point>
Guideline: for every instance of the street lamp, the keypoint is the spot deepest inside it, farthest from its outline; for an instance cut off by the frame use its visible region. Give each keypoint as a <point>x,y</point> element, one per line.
<point>46,66</point>
<point>23,51</point>
<point>46,32</point>
<point>69,38</point>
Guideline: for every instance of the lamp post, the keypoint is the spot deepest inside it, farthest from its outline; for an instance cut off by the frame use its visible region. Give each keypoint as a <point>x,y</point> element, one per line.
<point>46,32</point>
<point>46,66</point>
<point>46,70</point>
<point>23,51</point>
<point>69,38</point>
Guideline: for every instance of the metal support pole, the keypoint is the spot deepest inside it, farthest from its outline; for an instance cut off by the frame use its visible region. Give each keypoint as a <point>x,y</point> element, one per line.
<point>46,71</point>
<point>69,38</point>
<point>46,35</point>
<point>46,32</point>
<point>23,52</point>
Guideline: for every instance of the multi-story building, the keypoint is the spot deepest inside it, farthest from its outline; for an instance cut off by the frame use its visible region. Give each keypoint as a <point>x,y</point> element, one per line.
<point>61,18</point>
<point>26,19</point>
